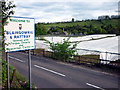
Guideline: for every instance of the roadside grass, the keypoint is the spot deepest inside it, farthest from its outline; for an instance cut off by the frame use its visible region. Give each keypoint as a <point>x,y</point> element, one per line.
<point>87,59</point>
<point>0,73</point>
<point>116,62</point>
<point>19,81</point>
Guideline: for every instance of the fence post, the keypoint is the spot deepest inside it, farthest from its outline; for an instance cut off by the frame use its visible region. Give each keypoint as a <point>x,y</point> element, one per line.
<point>13,76</point>
<point>63,58</point>
<point>79,59</point>
<point>43,52</point>
<point>49,53</point>
<point>33,52</point>
<point>52,55</point>
<point>106,57</point>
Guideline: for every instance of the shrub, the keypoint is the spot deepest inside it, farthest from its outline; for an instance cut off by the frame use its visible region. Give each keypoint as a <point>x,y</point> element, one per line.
<point>64,50</point>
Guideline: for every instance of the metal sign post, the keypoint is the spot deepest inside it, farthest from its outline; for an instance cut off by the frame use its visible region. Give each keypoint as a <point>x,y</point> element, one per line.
<point>29,67</point>
<point>8,80</point>
<point>19,36</point>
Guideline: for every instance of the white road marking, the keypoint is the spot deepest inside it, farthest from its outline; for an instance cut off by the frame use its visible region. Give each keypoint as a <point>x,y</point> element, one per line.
<point>50,70</point>
<point>17,59</point>
<point>94,86</point>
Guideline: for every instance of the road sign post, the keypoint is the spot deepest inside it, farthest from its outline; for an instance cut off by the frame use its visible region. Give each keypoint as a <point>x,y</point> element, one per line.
<point>29,66</point>
<point>19,35</point>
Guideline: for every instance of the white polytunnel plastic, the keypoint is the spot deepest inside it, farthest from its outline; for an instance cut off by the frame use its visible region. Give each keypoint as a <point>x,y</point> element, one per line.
<point>106,46</point>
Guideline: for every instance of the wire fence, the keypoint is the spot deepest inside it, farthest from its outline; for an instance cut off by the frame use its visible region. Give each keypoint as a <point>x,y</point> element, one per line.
<point>89,57</point>
<point>108,58</point>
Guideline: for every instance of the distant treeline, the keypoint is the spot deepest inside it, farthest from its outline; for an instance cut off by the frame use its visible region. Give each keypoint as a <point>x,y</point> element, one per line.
<point>84,27</point>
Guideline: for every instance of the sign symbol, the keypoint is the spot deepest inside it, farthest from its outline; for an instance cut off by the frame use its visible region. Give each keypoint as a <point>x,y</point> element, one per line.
<point>20,26</point>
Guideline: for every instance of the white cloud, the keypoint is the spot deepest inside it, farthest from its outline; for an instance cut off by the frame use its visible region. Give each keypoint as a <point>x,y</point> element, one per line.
<point>66,0</point>
<point>64,10</point>
<point>100,13</point>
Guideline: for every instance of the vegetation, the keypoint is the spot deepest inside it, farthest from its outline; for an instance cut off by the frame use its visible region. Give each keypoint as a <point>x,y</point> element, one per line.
<point>63,51</point>
<point>106,26</point>
<point>87,59</point>
<point>19,81</point>
<point>40,29</point>
<point>7,9</point>
<point>0,73</point>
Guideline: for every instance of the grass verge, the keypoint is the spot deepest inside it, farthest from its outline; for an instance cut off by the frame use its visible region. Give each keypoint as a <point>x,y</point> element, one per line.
<point>19,81</point>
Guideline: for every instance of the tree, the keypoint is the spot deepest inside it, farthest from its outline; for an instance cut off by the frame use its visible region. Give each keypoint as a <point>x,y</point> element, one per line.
<point>72,19</point>
<point>86,33</point>
<point>5,12</point>
<point>64,50</point>
<point>92,28</point>
<point>75,32</point>
<point>101,31</point>
<point>0,17</point>
<point>59,30</point>
<point>7,9</point>
<point>40,29</point>
<point>107,17</point>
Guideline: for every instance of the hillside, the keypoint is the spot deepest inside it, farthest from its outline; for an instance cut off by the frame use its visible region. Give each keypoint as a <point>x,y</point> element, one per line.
<point>96,23</point>
<point>108,26</point>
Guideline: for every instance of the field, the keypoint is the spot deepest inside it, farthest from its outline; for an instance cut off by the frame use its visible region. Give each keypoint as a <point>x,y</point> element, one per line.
<point>95,23</point>
<point>77,28</point>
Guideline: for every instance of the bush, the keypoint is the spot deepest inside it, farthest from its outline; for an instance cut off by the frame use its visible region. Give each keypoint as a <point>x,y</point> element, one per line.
<point>63,50</point>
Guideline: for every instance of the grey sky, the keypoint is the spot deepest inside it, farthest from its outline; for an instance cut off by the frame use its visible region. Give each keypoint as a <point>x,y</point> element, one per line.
<point>65,10</point>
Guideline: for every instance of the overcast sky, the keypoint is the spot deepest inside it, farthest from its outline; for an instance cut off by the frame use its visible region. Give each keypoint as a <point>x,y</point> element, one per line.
<point>64,10</point>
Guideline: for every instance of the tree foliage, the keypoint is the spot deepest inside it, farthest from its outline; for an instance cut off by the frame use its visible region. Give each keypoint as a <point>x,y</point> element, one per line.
<point>72,19</point>
<point>40,29</point>
<point>7,9</point>
<point>63,50</point>
<point>107,26</point>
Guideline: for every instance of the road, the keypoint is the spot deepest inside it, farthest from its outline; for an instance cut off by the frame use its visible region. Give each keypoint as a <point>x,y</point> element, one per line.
<point>48,73</point>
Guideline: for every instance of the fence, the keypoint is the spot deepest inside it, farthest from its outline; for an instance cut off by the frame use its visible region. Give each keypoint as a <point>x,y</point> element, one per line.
<point>89,57</point>
<point>98,57</point>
